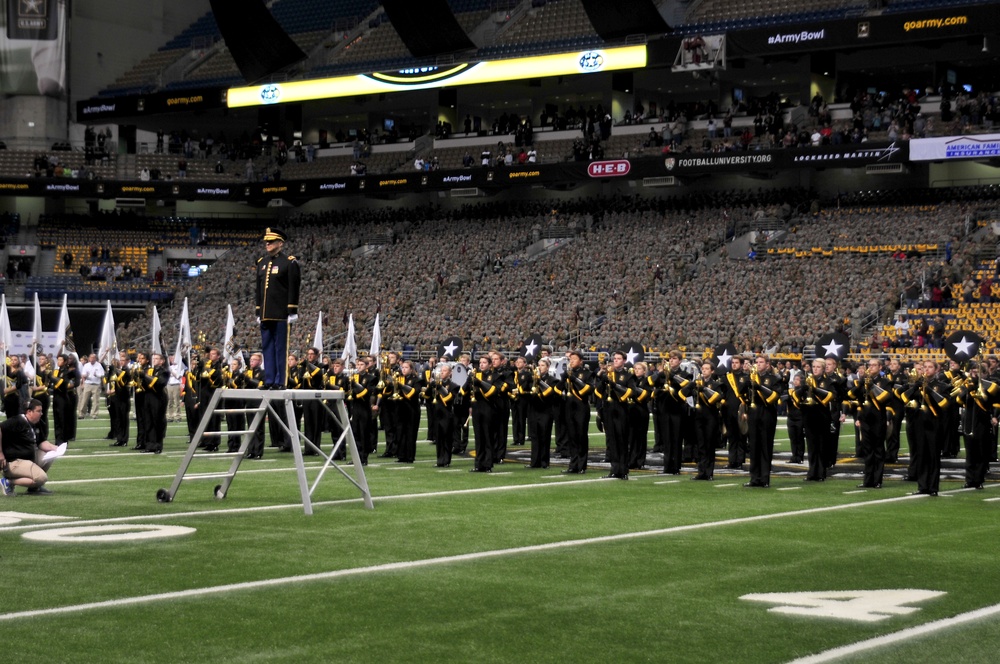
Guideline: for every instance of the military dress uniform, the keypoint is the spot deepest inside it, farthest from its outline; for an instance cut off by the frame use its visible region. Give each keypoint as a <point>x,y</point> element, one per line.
<point>253,379</point>
<point>478,390</point>
<point>40,390</point>
<point>765,393</point>
<point>154,381</point>
<point>672,412</point>
<point>519,405</point>
<point>277,299</point>
<point>576,389</point>
<point>234,421</point>
<point>638,423</point>
<point>813,397</point>
<point>871,399</point>
<point>707,425</point>
<point>441,397</point>
<point>928,402</point>
<point>735,392</point>
<point>982,404</point>
<point>616,389</point>
<point>313,412</point>
<point>543,403</point>
<point>210,379</point>
<point>119,403</point>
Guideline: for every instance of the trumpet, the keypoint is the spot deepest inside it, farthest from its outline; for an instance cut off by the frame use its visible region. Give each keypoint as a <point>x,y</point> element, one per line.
<point>810,391</point>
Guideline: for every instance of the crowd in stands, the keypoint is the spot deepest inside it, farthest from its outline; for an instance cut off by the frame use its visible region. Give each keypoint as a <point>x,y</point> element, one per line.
<point>643,269</point>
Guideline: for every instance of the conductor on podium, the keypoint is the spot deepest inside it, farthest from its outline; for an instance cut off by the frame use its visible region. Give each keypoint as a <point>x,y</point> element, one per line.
<point>277,305</point>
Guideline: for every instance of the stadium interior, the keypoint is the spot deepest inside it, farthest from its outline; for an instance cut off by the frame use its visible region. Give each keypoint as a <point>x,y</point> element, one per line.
<point>585,261</point>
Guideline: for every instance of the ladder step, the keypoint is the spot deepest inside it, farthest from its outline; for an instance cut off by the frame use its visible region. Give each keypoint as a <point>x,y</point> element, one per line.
<point>207,476</point>
<point>225,411</point>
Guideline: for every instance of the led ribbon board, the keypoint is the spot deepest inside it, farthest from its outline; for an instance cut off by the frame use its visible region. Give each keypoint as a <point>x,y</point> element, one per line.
<point>423,78</point>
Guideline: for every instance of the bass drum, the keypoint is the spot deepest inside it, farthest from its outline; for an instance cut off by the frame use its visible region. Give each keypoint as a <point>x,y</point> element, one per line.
<point>459,374</point>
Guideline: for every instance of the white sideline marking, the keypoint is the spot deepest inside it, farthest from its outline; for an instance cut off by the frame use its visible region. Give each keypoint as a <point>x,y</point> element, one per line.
<point>427,562</point>
<point>667,482</point>
<point>990,500</point>
<point>719,486</point>
<point>851,493</point>
<point>789,488</point>
<point>895,637</point>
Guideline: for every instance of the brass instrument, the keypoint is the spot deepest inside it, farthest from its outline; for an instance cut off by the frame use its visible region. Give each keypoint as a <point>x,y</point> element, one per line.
<point>536,377</point>
<point>810,391</point>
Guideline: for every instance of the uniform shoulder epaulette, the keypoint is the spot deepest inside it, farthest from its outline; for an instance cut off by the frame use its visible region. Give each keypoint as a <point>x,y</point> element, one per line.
<point>291,258</point>
<point>260,259</point>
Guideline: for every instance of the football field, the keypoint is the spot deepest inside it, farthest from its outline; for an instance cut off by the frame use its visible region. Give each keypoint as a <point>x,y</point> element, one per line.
<point>515,566</point>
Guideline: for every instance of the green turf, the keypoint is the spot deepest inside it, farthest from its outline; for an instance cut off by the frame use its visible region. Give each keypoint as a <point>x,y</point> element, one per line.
<point>672,596</point>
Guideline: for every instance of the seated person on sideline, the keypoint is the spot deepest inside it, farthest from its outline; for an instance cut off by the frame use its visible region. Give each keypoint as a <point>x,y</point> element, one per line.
<point>21,455</point>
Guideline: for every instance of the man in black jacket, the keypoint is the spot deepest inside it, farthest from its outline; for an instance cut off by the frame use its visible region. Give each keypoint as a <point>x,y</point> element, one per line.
<point>21,453</point>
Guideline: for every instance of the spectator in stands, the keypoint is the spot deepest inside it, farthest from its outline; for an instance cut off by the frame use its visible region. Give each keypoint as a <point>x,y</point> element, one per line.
<point>144,174</point>
<point>467,161</point>
<point>219,168</point>
<point>985,290</point>
<point>182,167</point>
<point>67,260</point>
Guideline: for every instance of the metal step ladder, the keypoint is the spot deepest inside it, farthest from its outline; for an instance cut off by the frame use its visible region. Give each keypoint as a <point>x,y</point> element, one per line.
<point>261,402</point>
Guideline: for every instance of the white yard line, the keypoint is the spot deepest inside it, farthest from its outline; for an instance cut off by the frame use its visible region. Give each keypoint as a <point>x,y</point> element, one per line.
<point>417,564</point>
<point>897,637</point>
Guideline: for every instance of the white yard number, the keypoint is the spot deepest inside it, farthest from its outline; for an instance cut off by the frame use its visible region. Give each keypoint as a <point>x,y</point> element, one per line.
<point>857,605</point>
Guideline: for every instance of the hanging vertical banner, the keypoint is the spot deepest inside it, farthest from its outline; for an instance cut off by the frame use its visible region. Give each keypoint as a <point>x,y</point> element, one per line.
<point>33,48</point>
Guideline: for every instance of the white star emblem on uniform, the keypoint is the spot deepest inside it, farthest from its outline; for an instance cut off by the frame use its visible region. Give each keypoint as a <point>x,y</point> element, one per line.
<point>724,358</point>
<point>963,346</point>
<point>530,349</point>
<point>450,349</point>
<point>631,355</point>
<point>833,348</point>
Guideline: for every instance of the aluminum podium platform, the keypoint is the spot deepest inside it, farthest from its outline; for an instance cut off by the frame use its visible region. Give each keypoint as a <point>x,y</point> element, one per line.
<point>258,403</point>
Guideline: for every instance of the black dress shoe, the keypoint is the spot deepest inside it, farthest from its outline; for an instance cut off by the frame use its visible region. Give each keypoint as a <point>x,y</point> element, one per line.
<point>610,476</point>
<point>384,456</point>
<point>443,465</point>
<point>570,472</point>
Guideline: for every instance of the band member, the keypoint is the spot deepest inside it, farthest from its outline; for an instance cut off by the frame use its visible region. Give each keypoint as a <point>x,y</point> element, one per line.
<point>371,378</point>
<point>362,385</point>
<point>479,389</point>
<point>426,377</point>
<point>562,432</point>
<point>210,380</point>
<point>440,393</point>
<point>462,412</point>
<point>896,377</point>
<point>638,417</point>
<point>954,375</point>
<point>503,379</point>
<point>336,379</point>
<point>277,304</point>
<point>928,400</point>
<point>576,387</point>
<point>14,382</point>
<point>543,403</point>
<point>253,379</point>
<point>119,400</point>
<point>232,379</point>
<point>519,400</point>
<point>981,409</point>
<point>616,388</point>
<point>408,416</point>
<point>814,398</point>
<point>838,384</point>
<point>793,421</point>
<point>872,393</point>
<point>154,379</point>
<point>64,382</point>
<point>672,410</point>
<point>707,420</point>
<point>765,392</point>
<point>313,375</point>
<point>190,395</point>
<point>139,367</point>
<point>735,394</point>
<point>40,390</point>
<point>387,407</point>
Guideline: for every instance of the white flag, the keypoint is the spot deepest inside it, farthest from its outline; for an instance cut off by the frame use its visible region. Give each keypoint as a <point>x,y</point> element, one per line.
<point>64,335</point>
<point>318,337</point>
<point>108,350</point>
<point>376,349</point>
<point>182,351</point>
<point>230,348</point>
<point>29,370</point>
<point>36,330</point>
<point>350,354</point>
<point>154,344</point>
<point>6,336</point>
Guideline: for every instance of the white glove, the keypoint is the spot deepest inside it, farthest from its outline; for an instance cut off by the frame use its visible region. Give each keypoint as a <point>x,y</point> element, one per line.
<point>293,317</point>
<point>258,320</point>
